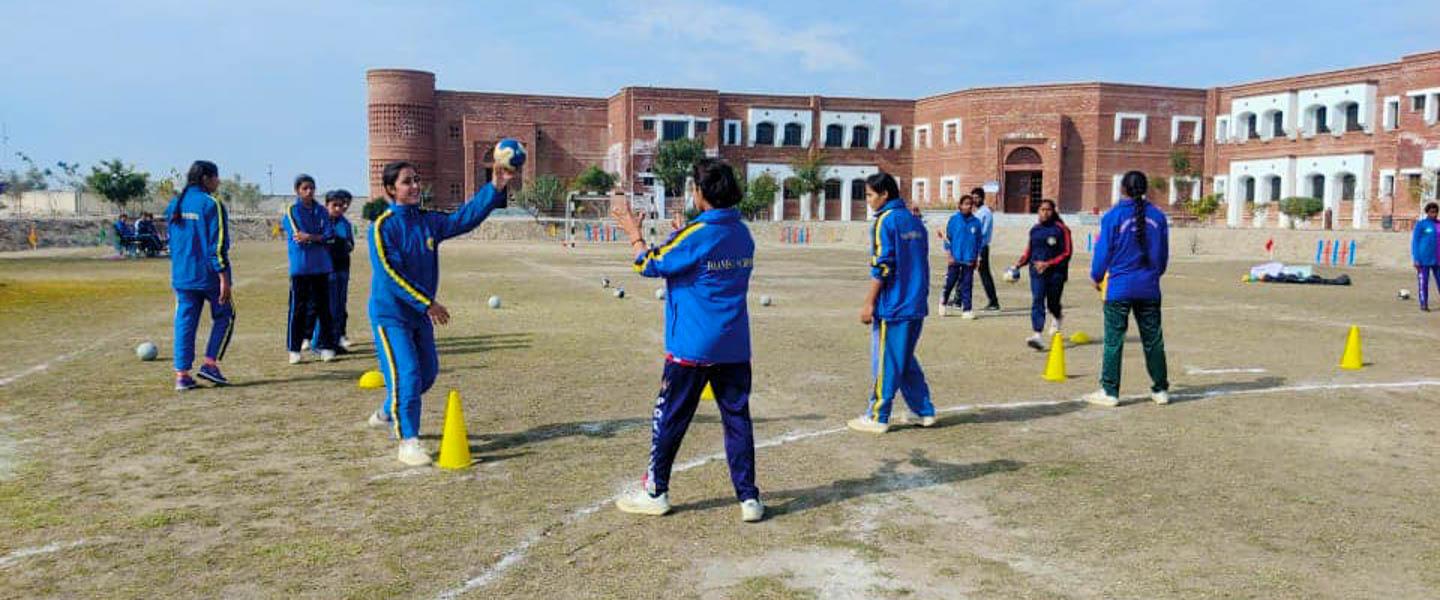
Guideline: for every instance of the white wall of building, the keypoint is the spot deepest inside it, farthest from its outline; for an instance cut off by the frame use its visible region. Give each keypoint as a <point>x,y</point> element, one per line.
<point>780,117</point>
<point>851,120</point>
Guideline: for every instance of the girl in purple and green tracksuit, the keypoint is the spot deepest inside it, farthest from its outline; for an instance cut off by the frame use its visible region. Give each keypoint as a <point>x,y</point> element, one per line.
<point>199,229</point>
<point>405,260</point>
<point>706,266</point>
<point>1131,256</point>
<point>1048,256</point>
<point>1425,252</point>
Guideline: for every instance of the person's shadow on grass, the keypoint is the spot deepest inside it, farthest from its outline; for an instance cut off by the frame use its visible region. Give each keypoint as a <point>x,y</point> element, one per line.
<point>1191,393</point>
<point>887,479</point>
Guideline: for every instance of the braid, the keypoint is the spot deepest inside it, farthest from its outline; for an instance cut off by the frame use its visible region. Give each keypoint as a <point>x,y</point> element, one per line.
<point>175,215</point>
<point>1134,184</point>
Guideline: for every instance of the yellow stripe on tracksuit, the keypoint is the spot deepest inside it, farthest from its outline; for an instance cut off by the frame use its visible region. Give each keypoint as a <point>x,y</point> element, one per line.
<point>380,253</point>
<point>220,243</point>
<point>659,253</point>
<point>394,380</point>
<point>879,376</point>
<point>875,252</point>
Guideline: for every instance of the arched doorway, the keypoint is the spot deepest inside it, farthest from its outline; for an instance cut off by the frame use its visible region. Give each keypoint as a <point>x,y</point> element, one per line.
<point>1024,183</point>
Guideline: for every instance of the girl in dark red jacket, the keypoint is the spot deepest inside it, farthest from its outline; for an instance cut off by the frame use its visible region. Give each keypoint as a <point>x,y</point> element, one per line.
<point>1048,255</point>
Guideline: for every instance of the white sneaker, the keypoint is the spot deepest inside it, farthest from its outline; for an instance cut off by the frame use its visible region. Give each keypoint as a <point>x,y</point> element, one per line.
<point>1160,397</point>
<point>296,357</point>
<point>866,425</point>
<point>413,454</point>
<point>641,502</point>
<point>968,315</point>
<point>378,420</point>
<point>752,510</point>
<point>1034,342</point>
<point>327,355</point>
<point>1100,398</point>
<point>1055,327</point>
<point>304,345</point>
<point>345,343</point>
<point>927,421</point>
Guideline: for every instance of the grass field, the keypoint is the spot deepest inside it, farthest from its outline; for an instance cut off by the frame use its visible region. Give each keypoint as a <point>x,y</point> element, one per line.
<point>1273,475</point>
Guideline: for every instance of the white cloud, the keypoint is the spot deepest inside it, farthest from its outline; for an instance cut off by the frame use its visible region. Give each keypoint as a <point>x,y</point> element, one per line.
<point>743,31</point>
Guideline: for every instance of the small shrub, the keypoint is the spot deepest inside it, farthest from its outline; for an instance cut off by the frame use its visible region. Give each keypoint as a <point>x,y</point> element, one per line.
<point>1300,207</point>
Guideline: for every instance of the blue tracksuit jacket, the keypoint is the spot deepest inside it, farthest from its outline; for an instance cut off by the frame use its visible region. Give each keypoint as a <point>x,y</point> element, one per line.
<point>199,241</point>
<point>1425,243</point>
<point>706,267</point>
<point>308,258</point>
<point>1118,254</point>
<point>404,245</point>
<point>342,244</point>
<point>964,236</point>
<point>900,257</point>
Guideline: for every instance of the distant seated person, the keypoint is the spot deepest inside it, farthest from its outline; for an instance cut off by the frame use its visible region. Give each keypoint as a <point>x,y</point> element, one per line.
<point>124,236</point>
<point>147,236</point>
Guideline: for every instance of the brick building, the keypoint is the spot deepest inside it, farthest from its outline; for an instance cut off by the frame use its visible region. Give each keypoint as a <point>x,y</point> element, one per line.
<point>1359,138</point>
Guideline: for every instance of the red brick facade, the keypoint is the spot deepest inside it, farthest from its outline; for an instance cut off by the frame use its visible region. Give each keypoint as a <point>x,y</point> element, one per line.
<point>1067,142</point>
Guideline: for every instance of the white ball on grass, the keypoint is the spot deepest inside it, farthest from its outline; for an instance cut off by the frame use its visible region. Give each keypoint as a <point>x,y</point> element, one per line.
<point>494,302</point>
<point>659,293</point>
<point>765,301</point>
<point>1404,294</point>
<point>620,292</point>
<point>146,351</point>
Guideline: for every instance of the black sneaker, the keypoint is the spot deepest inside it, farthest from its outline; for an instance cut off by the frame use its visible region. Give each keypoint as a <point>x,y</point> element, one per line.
<point>992,307</point>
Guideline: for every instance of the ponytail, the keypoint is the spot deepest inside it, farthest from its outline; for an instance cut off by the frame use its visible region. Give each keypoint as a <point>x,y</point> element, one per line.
<point>1134,185</point>
<point>195,178</point>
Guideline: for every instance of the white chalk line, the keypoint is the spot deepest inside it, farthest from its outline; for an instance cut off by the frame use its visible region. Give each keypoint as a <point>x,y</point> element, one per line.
<point>23,553</point>
<point>517,554</point>
<point>1223,371</point>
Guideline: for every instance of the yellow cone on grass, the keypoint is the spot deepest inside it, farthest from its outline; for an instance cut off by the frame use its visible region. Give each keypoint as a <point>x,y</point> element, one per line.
<point>454,442</point>
<point>1352,358</point>
<point>372,380</point>
<point>708,393</point>
<point>1055,366</point>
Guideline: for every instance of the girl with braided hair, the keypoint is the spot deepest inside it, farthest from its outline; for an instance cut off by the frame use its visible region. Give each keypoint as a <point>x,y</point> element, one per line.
<point>1130,257</point>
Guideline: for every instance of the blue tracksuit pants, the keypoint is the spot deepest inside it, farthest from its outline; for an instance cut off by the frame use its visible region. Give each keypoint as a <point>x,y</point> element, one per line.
<point>892,359</point>
<point>409,362</point>
<point>1045,292</point>
<point>1423,275</point>
<point>339,315</point>
<point>679,395</point>
<point>188,304</point>
<point>961,275</point>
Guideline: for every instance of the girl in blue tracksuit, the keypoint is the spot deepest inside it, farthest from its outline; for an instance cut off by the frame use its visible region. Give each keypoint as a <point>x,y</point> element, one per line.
<point>1131,254</point>
<point>199,228</point>
<point>895,306</point>
<point>706,266</point>
<point>964,237</point>
<point>1425,252</point>
<point>308,235</point>
<point>1048,256</point>
<point>405,260</point>
<point>340,247</point>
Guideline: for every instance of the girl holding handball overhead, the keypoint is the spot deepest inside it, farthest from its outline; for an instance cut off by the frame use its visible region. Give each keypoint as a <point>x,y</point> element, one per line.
<point>405,260</point>
<point>706,266</point>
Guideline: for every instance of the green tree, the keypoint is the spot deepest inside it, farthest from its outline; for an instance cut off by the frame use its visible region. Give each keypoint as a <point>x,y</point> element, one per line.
<point>1301,207</point>
<point>541,196</point>
<point>674,160</point>
<point>809,175</point>
<point>1205,207</point>
<point>759,196</point>
<point>594,180</point>
<point>117,182</point>
<point>238,192</point>
<point>162,189</point>
<point>374,207</point>
<point>30,179</point>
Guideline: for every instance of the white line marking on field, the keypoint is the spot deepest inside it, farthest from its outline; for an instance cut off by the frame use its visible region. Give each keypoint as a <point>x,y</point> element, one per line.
<point>1199,371</point>
<point>517,554</point>
<point>399,474</point>
<point>18,555</point>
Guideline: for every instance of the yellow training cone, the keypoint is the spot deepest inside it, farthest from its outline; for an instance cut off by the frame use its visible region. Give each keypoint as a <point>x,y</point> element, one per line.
<point>708,393</point>
<point>1079,337</point>
<point>1352,358</point>
<point>1055,367</point>
<point>454,443</point>
<point>372,380</point>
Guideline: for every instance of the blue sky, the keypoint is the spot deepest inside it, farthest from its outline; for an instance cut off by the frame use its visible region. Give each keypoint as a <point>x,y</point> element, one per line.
<point>256,83</point>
